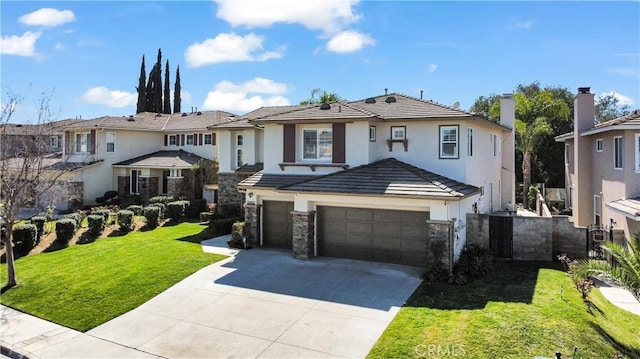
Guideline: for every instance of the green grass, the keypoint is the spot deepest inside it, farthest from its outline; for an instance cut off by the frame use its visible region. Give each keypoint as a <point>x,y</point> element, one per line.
<point>84,286</point>
<point>520,310</point>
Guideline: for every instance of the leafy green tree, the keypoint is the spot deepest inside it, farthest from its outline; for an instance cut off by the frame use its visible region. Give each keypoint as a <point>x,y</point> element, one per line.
<point>167,90</point>
<point>627,270</point>
<point>487,107</point>
<point>319,96</point>
<point>608,107</point>
<point>176,93</point>
<point>142,90</point>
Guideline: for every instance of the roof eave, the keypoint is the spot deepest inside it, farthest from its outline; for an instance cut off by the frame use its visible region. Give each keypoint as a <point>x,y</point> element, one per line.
<point>620,127</point>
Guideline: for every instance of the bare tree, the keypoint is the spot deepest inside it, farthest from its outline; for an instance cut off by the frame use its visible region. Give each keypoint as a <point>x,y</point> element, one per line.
<point>27,168</point>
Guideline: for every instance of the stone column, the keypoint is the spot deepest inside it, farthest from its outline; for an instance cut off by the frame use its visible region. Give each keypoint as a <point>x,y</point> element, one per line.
<point>144,189</point>
<point>229,199</point>
<point>123,185</point>
<point>252,219</point>
<point>75,193</point>
<point>173,186</point>
<point>303,234</point>
<point>440,238</point>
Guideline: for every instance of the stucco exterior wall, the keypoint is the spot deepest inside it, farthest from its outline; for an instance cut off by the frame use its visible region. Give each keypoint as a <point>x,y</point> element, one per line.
<point>206,151</point>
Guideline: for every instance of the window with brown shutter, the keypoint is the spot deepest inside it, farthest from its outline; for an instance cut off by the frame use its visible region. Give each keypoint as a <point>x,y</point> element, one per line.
<point>92,142</point>
<point>289,143</point>
<point>67,142</point>
<point>213,139</point>
<point>166,140</point>
<point>200,139</point>
<point>338,143</point>
<point>182,140</point>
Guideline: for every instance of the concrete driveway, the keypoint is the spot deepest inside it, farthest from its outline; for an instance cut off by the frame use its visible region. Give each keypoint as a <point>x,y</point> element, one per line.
<point>259,303</point>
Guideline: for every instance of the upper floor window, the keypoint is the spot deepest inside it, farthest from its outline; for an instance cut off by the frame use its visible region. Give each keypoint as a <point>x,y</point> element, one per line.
<point>317,144</point>
<point>208,139</point>
<point>597,211</point>
<point>567,153</point>
<point>82,142</point>
<point>637,142</point>
<point>135,181</point>
<point>239,140</point>
<point>111,142</point>
<point>239,157</point>
<point>190,140</point>
<point>398,133</point>
<point>496,145</point>
<point>599,145</point>
<point>449,141</point>
<point>372,133</point>
<point>469,142</point>
<point>617,152</point>
<point>54,141</point>
<point>173,140</point>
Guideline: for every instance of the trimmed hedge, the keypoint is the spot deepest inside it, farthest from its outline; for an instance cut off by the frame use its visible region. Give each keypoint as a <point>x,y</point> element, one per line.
<point>196,206</point>
<point>162,206</point>
<point>65,229</point>
<point>136,209</point>
<point>224,225</point>
<point>125,220</point>
<point>39,222</point>
<point>77,217</point>
<point>25,237</point>
<point>176,210</point>
<point>206,217</point>
<point>152,215</point>
<point>104,213</point>
<point>161,199</point>
<point>96,224</point>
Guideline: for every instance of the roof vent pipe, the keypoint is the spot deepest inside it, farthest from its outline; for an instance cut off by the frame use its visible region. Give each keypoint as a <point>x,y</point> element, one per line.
<point>386,90</point>
<point>421,92</point>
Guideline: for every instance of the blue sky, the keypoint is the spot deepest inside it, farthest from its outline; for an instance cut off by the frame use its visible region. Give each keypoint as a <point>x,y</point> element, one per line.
<point>237,55</point>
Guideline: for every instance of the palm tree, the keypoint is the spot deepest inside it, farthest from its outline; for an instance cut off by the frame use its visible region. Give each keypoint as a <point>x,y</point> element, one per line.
<point>319,96</point>
<point>533,115</point>
<point>627,270</point>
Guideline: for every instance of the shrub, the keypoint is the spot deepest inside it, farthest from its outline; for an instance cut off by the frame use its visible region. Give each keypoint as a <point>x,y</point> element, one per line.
<point>104,212</point>
<point>161,199</point>
<point>125,220</point>
<point>176,209</point>
<point>39,222</point>
<point>162,207</point>
<point>475,261</point>
<point>77,217</point>
<point>206,217</point>
<point>152,215</point>
<point>136,209</point>
<point>223,226</point>
<point>24,238</point>
<point>239,231</point>
<point>196,206</point>
<point>96,224</point>
<point>65,229</point>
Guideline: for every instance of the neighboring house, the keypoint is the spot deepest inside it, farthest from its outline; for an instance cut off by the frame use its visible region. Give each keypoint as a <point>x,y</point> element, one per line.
<point>13,137</point>
<point>147,154</point>
<point>602,167</point>
<point>389,178</point>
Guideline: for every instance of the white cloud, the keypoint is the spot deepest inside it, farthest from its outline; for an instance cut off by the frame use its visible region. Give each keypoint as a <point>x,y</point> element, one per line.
<point>229,48</point>
<point>433,67</point>
<point>625,71</point>
<point>24,45</point>
<point>113,98</point>
<point>247,96</point>
<point>520,25</point>
<point>349,41</point>
<point>59,46</point>
<point>47,17</point>
<point>622,99</point>
<point>330,16</point>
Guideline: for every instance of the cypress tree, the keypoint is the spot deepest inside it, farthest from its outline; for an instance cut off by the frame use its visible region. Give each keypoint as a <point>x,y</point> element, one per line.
<point>157,84</point>
<point>142,90</point>
<point>151,94</point>
<point>176,93</point>
<point>167,90</point>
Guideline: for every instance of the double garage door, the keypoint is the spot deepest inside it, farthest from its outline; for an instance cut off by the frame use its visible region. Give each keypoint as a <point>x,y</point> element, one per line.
<point>373,234</point>
<point>378,235</point>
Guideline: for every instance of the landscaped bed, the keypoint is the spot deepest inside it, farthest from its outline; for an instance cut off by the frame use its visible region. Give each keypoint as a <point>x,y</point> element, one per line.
<point>83,286</point>
<point>519,310</point>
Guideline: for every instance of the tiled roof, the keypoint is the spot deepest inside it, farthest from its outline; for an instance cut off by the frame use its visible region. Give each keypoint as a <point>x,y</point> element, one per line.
<point>261,180</point>
<point>149,121</point>
<point>52,163</point>
<point>192,121</point>
<point>163,159</point>
<point>48,128</point>
<point>388,177</point>
<point>630,121</point>
<point>407,107</point>
<point>250,169</point>
<point>233,125</point>
<point>271,110</point>
<point>632,118</point>
<point>332,111</point>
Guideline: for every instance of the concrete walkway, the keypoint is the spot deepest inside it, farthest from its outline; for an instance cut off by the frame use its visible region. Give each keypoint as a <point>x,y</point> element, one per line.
<point>618,296</point>
<point>259,303</point>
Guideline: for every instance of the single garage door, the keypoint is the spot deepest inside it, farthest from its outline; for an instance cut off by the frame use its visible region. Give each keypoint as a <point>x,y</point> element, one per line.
<point>278,224</point>
<point>373,234</point>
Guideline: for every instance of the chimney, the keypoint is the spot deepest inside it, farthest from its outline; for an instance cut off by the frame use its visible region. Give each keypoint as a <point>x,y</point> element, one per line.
<point>386,90</point>
<point>584,110</point>
<point>508,173</point>
<point>421,92</point>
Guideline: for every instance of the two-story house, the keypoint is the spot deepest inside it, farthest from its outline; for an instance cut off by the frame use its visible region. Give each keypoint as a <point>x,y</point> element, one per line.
<point>372,179</point>
<point>146,154</point>
<point>602,168</point>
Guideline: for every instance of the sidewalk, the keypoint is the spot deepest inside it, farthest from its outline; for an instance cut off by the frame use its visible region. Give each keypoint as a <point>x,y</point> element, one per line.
<point>618,296</point>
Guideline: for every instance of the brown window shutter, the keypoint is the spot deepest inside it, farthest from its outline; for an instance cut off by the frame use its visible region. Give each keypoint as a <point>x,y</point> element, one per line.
<point>166,140</point>
<point>195,139</point>
<point>67,142</point>
<point>200,143</point>
<point>338,145</point>
<point>213,139</point>
<point>182,140</point>
<point>289,149</point>
<point>92,142</point>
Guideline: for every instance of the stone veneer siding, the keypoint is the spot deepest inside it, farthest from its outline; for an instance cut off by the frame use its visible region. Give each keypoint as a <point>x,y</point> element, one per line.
<point>228,195</point>
<point>252,219</point>
<point>440,234</point>
<point>75,191</point>
<point>124,184</point>
<point>303,234</point>
<point>174,186</point>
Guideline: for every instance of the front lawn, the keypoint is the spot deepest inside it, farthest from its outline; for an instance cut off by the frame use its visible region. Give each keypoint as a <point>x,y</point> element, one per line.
<point>520,310</point>
<point>84,286</point>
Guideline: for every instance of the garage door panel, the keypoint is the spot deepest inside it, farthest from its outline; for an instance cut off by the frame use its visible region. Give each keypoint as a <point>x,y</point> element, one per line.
<point>417,244</point>
<point>414,217</point>
<point>384,229</point>
<point>359,239</point>
<point>383,216</point>
<point>390,256</point>
<point>358,253</point>
<point>387,243</point>
<point>335,213</point>
<point>359,214</point>
<point>409,231</point>
<point>278,224</point>
<point>360,227</point>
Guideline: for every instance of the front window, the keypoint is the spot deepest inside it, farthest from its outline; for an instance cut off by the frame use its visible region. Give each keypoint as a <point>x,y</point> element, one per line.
<point>239,157</point>
<point>239,140</point>
<point>469,142</point>
<point>82,142</point>
<point>111,142</point>
<point>208,139</point>
<point>599,145</point>
<point>617,153</point>
<point>135,181</point>
<point>190,140</point>
<point>173,140</point>
<point>317,144</point>
<point>372,133</point>
<point>398,133</point>
<point>54,141</point>
<point>448,141</point>
<point>637,141</point>
<point>597,208</point>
